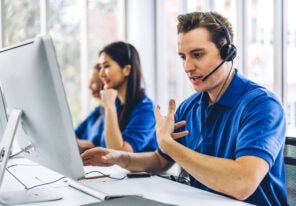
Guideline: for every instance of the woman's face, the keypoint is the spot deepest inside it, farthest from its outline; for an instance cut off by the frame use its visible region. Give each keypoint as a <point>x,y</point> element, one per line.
<point>112,75</point>
<point>95,84</point>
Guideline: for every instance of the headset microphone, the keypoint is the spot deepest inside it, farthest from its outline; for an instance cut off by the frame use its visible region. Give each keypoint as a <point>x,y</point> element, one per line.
<point>227,51</point>
<point>208,75</point>
<point>224,60</point>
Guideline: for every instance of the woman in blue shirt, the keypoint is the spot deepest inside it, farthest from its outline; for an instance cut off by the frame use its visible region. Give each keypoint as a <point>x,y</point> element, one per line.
<point>129,113</point>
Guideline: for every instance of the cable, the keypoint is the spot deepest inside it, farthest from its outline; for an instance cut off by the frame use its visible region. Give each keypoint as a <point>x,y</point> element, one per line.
<point>16,178</point>
<point>22,165</point>
<point>217,97</point>
<point>95,171</point>
<point>47,183</point>
<point>179,179</point>
<point>213,105</point>
<point>26,187</point>
<point>25,149</point>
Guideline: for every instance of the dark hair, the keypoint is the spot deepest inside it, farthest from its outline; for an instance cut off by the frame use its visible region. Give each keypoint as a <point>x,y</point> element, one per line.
<point>190,21</point>
<point>126,54</point>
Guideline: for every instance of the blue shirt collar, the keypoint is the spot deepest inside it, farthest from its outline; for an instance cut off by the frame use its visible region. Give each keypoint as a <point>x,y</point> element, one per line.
<point>232,94</point>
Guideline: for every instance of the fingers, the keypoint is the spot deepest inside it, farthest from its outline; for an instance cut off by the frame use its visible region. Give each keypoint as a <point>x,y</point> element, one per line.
<point>96,161</point>
<point>108,96</point>
<point>99,156</point>
<point>157,112</point>
<point>163,121</point>
<point>172,108</point>
<point>86,154</point>
<point>180,124</point>
<point>93,151</point>
<point>178,135</point>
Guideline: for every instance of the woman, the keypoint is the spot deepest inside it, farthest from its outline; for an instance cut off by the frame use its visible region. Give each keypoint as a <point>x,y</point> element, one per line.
<point>90,130</point>
<point>129,113</point>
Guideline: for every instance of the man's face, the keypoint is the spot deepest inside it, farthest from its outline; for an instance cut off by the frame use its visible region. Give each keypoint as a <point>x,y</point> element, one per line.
<point>200,56</point>
<point>95,83</point>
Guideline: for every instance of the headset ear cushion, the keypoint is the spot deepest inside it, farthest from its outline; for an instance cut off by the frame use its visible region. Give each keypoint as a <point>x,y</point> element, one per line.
<point>228,52</point>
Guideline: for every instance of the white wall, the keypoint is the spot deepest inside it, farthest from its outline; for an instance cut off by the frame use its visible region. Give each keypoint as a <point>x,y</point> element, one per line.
<point>140,32</point>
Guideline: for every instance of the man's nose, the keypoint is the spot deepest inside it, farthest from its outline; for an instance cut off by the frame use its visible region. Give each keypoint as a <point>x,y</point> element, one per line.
<point>188,65</point>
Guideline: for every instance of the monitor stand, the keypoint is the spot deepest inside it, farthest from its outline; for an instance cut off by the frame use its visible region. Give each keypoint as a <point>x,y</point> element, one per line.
<point>22,196</point>
<point>28,196</point>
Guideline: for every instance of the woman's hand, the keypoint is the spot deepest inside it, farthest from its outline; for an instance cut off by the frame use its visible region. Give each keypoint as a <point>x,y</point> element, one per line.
<point>108,97</point>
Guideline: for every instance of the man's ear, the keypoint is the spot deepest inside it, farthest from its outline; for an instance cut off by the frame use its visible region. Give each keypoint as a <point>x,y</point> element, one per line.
<point>127,70</point>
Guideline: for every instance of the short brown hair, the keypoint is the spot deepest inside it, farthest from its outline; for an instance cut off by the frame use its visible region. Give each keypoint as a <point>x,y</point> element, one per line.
<point>207,20</point>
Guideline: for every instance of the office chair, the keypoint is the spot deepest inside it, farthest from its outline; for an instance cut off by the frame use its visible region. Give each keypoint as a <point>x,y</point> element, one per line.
<point>290,162</point>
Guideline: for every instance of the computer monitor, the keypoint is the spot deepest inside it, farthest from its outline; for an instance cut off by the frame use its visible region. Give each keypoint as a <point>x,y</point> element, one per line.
<point>3,117</point>
<point>31,82</point>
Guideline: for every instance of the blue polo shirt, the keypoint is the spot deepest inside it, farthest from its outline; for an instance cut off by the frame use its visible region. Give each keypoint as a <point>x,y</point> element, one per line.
<point>140,129</point>
<point>248,120</point>
<point>92,127</point>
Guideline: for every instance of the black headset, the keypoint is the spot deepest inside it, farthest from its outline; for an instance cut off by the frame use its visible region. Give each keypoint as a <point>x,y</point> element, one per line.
<point>227,51</point>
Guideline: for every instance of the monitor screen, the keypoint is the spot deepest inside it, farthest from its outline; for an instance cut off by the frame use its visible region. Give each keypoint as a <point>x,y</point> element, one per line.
<point>31,82</point>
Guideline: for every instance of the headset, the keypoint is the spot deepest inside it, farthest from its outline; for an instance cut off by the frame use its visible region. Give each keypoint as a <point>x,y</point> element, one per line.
<point>227,51</point>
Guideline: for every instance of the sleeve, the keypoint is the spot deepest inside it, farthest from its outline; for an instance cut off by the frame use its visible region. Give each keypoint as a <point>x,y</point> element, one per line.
<point>140,130</point>
<point>91,128</point>
<point>263,128</point>
<point>80,130</point>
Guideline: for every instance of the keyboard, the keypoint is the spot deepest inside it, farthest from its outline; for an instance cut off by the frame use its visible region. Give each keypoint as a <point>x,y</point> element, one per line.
<point>89,188</point>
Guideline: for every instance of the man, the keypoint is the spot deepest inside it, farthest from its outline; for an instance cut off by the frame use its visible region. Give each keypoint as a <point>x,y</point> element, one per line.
<point>229,136</point>
<point>89,131</point>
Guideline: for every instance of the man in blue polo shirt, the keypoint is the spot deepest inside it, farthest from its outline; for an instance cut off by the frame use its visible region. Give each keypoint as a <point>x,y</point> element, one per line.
<point>229,136</point>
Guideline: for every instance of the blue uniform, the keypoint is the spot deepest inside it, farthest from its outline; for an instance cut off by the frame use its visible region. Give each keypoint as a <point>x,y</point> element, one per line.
<point>247,120</point>
<point>139,131</point>
<point>92,127</point>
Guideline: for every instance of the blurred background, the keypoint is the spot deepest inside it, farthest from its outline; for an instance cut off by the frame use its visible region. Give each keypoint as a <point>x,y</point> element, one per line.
<point>265,35</point>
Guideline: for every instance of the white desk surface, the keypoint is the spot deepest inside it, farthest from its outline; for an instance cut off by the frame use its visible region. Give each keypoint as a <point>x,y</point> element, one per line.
<point>154,187</point>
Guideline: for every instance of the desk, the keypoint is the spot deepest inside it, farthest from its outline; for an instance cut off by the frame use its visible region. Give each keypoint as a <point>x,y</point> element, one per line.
<point>154,187</point>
